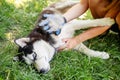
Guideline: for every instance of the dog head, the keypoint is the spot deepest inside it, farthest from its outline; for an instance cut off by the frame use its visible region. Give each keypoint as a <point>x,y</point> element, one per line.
<point>37,48</point>
<point>38,53</point>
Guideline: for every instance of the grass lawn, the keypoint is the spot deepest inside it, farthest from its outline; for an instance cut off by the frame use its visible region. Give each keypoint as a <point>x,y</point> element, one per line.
<point>17,20</point>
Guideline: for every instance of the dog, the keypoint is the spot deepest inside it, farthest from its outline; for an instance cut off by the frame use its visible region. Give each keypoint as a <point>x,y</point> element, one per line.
<point>42,44</point>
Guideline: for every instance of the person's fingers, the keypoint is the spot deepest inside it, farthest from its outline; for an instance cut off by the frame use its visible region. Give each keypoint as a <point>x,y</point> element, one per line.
<point>46,27</point>
<point>61,48</point>
<point>43,23</point>
<point>66,46</point>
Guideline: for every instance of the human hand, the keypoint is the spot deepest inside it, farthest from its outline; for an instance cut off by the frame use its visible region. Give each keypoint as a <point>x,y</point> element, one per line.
<point>52,23</point>
<point>70,43</point>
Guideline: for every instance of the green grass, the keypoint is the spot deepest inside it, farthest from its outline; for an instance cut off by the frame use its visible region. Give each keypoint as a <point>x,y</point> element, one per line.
<point>66,65</point>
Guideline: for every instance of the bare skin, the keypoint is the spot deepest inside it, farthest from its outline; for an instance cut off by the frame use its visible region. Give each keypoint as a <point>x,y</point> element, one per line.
<point>99,9</point>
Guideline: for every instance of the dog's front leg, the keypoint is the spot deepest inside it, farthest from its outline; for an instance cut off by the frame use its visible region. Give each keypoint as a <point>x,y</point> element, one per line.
<point>70,27</point>
<point>67,31</point>
<point>92,53</point>
<point>83,24</point>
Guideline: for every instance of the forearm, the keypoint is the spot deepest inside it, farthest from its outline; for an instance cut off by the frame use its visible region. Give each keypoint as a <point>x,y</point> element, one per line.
<point>76,10</point>
<point>91,33</point>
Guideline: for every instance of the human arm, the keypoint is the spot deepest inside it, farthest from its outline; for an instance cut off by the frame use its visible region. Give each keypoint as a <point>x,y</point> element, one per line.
<point>89,34</point>
<point>76,10</point>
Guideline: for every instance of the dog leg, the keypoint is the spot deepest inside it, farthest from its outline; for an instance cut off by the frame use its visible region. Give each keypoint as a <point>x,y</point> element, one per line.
<point>89,52</point>
<point>70,27</point>
<point>83,24</point>
<point>82,48</point>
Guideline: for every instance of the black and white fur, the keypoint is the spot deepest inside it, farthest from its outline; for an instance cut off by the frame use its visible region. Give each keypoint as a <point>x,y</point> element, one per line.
<point>39,46</point>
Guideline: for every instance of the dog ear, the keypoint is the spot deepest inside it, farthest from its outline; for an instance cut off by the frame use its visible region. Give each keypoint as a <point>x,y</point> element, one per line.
<point>22,41</point>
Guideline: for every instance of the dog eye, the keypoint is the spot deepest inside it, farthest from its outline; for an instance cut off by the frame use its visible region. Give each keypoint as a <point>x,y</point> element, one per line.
<point>34,56</point>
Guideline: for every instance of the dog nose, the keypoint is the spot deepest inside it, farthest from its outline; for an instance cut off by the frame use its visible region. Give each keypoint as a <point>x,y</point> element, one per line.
<point>42,71</point>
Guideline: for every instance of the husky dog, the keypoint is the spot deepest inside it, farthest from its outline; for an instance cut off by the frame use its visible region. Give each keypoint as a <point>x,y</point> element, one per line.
<point>42,43</point>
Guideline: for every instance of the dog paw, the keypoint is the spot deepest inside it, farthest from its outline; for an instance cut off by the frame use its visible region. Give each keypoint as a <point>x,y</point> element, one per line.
<point>102,55</point>
<point>107,21</point>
